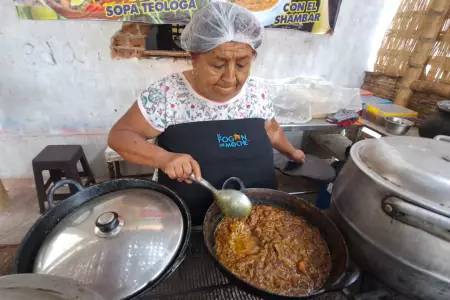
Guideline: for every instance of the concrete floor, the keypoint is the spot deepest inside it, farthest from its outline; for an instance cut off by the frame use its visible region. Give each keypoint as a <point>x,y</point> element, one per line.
<point>21,210</point>
<point>17,215</point>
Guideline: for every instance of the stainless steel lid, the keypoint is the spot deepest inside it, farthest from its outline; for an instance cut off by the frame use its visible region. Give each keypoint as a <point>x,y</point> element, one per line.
<point>444,105</point>
<point>117,243</point>
<point>417,169</point>
<point>43,287</point>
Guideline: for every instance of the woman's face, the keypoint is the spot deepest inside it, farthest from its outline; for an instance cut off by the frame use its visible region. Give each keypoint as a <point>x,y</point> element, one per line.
<point>220,73</point>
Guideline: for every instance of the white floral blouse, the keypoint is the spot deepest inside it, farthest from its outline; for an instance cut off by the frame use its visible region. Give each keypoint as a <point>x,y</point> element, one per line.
<point>172,100</point>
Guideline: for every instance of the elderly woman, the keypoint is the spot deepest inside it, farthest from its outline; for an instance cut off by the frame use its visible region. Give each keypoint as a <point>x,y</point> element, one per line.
<point>213,120</point>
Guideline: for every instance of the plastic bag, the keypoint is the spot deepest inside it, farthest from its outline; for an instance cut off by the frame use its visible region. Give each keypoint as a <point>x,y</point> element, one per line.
<point>291,103</point>
<point>324,98</point>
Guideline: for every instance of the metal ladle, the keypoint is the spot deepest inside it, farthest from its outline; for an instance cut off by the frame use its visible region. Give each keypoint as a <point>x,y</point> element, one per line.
<point>232,203</point>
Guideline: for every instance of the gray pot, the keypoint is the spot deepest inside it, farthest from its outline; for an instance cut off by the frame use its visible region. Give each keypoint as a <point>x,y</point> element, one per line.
<point>44,287</point>
<point>392,203</point>
<point>437,123</point>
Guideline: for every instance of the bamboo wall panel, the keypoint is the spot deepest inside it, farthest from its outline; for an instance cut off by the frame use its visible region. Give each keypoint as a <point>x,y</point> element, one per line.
<point>381,85</point>
<point>424,103</point>
<point>416,48</point>
<point>431,87</point>
<point>429,30</point>
<point>402,36</point>
<point>438,67</point>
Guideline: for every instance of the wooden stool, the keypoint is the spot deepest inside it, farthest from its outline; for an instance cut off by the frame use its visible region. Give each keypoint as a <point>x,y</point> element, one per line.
<point>61,161</point>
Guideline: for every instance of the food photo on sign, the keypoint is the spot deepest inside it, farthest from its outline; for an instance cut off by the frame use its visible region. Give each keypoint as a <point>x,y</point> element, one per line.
<point>316,16</point>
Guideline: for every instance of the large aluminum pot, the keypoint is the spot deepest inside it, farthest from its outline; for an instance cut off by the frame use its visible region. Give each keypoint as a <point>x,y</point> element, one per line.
<point>392,203</point>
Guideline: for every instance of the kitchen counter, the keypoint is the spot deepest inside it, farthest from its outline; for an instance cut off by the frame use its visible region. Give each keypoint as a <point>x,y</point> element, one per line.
<point>315,125</point>
<point>323,125</point>
<point>414,131</point>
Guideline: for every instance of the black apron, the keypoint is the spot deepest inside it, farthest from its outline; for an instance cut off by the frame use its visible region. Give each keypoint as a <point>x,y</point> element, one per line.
<point>224,149</point>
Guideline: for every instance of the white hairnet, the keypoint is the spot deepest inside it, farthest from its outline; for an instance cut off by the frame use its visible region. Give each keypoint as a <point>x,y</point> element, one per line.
<point>218,23</point>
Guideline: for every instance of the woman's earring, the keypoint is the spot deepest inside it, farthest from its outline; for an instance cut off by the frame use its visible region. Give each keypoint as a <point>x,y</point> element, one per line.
<point>194,72</point>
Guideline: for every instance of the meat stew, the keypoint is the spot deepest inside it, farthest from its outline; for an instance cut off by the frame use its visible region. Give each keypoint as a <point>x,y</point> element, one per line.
<point>274,250</point>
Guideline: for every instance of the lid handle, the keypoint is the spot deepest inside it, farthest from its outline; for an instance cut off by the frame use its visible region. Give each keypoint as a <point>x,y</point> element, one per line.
<point>234,180</point>
<point>107,221</point>
<point>419,217</point>
<point>443,138</point>
<point>59,184</point>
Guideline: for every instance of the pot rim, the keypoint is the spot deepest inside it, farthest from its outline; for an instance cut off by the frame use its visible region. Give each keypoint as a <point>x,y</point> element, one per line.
<point>347,277</point>
<point>51,284</point>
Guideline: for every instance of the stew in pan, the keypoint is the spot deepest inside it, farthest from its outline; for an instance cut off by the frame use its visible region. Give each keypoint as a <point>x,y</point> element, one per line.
<point>274,250</point>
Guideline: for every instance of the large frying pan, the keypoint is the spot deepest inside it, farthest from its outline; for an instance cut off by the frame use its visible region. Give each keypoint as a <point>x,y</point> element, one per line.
<point>34,239</point>
<point>342,274</point>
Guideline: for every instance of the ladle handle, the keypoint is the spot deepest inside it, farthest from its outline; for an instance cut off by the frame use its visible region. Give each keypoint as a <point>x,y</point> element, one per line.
<point>205,183</point>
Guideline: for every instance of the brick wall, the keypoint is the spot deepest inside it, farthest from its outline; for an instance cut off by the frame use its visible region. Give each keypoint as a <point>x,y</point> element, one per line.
<point>129,41</point>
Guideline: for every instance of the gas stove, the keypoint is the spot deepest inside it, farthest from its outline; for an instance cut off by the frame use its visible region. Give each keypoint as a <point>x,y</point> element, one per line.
<point>370,288</point>
<point>197,278</point>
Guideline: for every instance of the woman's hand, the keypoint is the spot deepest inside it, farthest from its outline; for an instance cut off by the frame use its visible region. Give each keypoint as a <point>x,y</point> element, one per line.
<point>180,166</point>
<point>297,155</point>
<point>281,143</point>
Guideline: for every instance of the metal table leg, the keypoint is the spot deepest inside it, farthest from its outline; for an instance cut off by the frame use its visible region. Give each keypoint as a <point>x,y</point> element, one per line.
<point>117,167</point>
<point>357,135</point>
<point>112,174</point>
<point>305,139</point>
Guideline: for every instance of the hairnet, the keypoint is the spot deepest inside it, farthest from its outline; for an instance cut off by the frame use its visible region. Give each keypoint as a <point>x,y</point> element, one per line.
<point>218,23</point>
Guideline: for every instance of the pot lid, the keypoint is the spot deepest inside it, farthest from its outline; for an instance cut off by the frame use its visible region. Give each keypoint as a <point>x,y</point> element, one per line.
<point>417,169</point>
<point>118,243</point>
<point>43,287</point>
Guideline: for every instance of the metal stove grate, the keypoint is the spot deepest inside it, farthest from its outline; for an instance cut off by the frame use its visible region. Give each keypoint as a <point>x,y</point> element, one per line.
<point>371,288</point>
<point>197,278</point>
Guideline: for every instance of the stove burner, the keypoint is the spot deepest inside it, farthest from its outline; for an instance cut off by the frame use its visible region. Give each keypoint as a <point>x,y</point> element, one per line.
<point>378,295</point>
<point>370,288</point>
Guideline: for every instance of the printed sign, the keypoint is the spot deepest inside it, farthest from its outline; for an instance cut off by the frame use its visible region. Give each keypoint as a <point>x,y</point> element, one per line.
<point>316,16</point>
